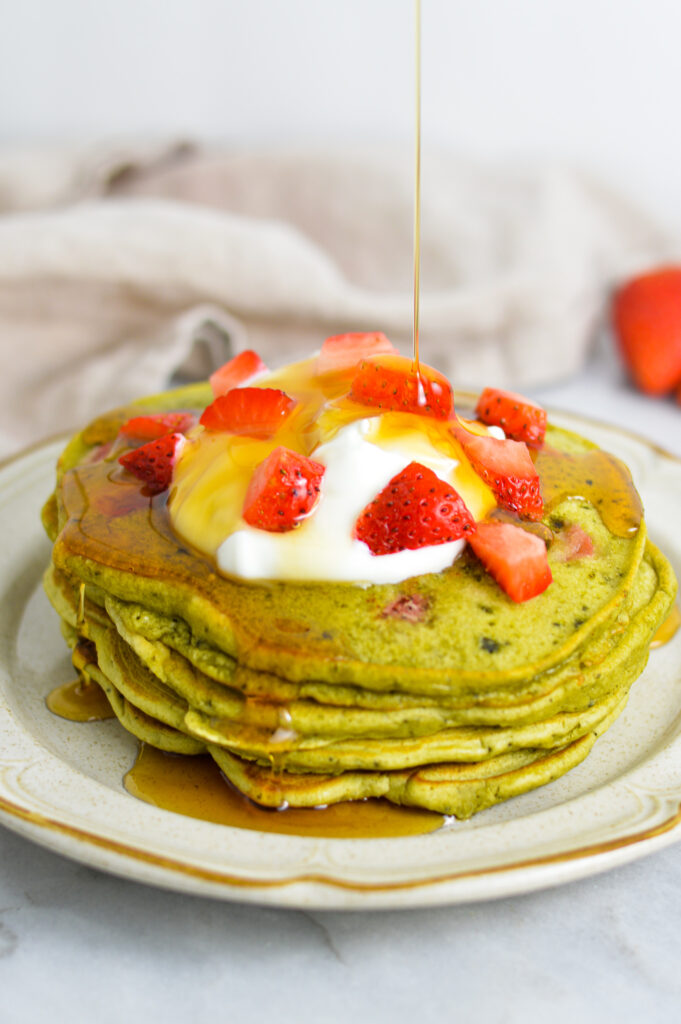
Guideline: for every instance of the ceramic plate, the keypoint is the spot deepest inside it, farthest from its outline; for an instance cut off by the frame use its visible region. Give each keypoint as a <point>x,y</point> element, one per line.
<point>61,782</point>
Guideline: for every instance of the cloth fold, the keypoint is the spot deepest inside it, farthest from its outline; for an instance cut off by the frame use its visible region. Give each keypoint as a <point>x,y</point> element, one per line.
<point>170,262</point>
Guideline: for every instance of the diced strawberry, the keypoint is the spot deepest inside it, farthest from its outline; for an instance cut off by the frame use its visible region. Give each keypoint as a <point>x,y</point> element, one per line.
<point>520,418</point>
<point>344,351</point>
<point>283,491</point>
<point>153,462</point>
<point>391,383</point>
<point>237,371</point>
<point>515,558</point>
<point>414,510</point>
<point>646,315</point>
<point>507,468</point>
<point>255,412</point>
<point>146,428</point>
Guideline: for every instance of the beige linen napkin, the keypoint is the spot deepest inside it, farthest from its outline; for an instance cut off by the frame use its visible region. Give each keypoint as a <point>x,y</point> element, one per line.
<point>187,258</point>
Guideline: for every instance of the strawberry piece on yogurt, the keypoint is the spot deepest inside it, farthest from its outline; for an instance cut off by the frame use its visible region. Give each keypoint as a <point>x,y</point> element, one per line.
<point>283,491</point>
<point>414,510</point>
<point>507,468</point>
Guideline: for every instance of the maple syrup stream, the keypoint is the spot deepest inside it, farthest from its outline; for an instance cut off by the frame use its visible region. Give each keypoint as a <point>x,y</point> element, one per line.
<point>417,180</point>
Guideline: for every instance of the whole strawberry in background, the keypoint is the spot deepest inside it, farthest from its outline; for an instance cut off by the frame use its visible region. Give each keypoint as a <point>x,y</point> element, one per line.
<point>646,315</point>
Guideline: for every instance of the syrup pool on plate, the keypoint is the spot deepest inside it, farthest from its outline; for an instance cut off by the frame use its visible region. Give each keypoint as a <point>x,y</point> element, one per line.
<point>194,786</point>
<point>79,701</point>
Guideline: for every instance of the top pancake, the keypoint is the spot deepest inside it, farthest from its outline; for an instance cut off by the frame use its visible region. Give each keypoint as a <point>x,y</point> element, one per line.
<point>429,634</point>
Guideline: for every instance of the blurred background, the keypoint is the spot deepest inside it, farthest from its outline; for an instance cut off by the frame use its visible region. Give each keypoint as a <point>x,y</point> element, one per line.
<point>593,82</point>
<point>549,175</point>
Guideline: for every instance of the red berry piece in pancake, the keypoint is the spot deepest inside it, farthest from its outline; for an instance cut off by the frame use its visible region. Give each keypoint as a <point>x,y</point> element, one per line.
<point>573,543</point>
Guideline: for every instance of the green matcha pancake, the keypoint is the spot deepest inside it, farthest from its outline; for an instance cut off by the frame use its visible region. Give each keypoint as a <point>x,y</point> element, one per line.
<point>443,690</point>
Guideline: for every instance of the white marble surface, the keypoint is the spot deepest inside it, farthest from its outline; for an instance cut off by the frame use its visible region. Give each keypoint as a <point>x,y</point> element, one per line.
<point>81,946</point>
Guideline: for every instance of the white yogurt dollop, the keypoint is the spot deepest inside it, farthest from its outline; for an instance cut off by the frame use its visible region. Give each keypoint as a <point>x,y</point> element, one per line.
<point>323,547</point>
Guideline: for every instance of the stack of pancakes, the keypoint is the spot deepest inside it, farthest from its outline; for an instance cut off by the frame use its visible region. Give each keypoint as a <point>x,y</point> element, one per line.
<point>436,692</point>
